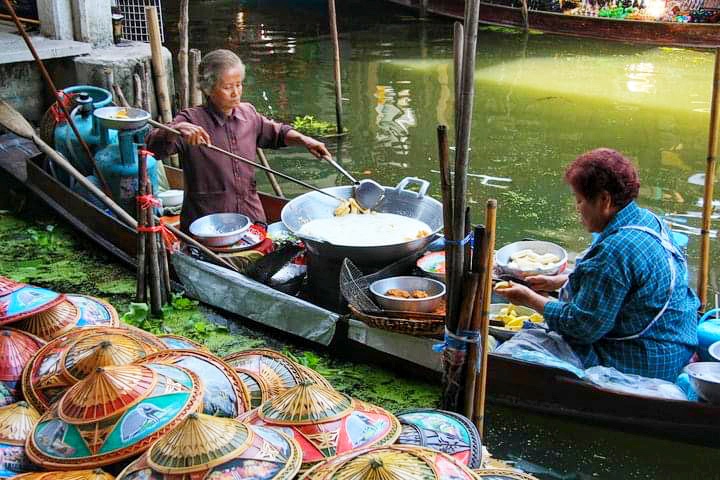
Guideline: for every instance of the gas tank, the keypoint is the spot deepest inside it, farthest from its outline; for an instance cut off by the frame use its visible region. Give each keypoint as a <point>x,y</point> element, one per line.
<point>118,163</point>
<point>87,98</point>
<point>708,331</point>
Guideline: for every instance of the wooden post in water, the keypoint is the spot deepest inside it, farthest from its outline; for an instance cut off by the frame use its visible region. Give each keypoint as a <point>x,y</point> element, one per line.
<point>336,64</point>
<point>182,57</point>
<point>150,241</point>
<point>196,95</point>
<point>525,14</point>
<point>458,36</point>
<point>709,185</point>
<point>141,287</point>
<point>484,319</point>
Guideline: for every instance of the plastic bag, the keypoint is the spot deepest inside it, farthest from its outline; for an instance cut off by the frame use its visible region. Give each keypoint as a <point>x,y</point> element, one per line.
<point>542,347</point>
<point>612,379</point>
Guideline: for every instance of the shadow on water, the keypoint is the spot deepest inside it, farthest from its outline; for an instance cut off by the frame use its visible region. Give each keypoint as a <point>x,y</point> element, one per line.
<point>540,101</point>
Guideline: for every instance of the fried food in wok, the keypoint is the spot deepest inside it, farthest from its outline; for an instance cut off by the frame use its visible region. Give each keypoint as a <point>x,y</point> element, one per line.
<point>349,206</point>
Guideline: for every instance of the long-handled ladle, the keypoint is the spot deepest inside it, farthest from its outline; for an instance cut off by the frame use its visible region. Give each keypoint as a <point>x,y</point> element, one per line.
<point>367,193</point>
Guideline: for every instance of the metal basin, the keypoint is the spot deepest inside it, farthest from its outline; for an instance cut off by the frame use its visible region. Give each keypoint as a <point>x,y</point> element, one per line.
<point>705,378</point>
<point>220,229</point>
<point>111,117</point>
<point>434,288</point>
<point>502,258</point>
<point>398,200</point>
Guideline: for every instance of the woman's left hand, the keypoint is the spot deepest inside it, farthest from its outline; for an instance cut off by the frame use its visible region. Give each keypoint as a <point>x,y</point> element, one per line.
<point>316,147</point>
<point>522,295</point>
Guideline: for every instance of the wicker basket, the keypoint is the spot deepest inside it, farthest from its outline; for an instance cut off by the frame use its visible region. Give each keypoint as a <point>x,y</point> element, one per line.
<point>409,323</point>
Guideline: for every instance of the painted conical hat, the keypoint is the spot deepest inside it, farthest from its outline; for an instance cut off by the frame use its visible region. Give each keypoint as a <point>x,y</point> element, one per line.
<point>304,404</point>
<point>203,446</point>
<point>16,422</point>
<point>395,462</point>
<point>16,350</point>
<point>106,392</point>
<point>176,342</point>
<point>96,474</point>
<point>447,432</point>
<point>225,393</point>
<point>70,357</point>
<point>18,300</point>
<point>267,373</point>
<point>76,311</point>
<point>115,413</point>
<point>342,424</point>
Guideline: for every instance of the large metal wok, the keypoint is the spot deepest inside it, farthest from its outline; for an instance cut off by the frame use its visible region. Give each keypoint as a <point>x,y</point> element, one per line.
<point>398,200</point>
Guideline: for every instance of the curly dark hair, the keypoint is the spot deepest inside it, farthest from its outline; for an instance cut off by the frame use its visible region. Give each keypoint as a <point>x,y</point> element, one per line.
<point>604,169</point>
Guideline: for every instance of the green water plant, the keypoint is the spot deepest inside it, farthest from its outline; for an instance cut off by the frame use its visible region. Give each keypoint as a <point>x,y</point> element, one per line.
<point>309,125</point>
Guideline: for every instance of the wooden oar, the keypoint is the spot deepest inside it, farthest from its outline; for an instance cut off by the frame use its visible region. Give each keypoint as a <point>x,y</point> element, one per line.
<point>16,123</point>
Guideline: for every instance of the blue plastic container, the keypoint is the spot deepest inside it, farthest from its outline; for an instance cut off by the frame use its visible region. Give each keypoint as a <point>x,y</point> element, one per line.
<point>118,163</point>
<point>64,138</point>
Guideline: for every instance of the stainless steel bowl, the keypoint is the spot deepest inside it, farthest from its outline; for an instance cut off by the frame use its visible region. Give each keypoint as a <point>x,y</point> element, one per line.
<point>502,258</point>
<point>220,229</point>
<point>434,289</point>
<point>132,119</point>
<point>705,378</point>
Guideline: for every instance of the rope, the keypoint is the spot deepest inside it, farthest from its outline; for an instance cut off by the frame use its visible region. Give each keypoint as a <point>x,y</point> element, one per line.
<point>57,112</point>
<point>464,241</point>
<point>148,201</point>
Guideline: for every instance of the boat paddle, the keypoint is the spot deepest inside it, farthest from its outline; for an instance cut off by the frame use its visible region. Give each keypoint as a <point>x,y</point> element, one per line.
<point>16,123</point>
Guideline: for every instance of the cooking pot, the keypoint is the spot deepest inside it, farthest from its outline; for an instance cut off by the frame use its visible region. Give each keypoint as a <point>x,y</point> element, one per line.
<point>398,200</point>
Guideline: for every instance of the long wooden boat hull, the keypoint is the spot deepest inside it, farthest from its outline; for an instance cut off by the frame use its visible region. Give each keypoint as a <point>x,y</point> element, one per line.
<point>703,35</point>
<point>510,381</point>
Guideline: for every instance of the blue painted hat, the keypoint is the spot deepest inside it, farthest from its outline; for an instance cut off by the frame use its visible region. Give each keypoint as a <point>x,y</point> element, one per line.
<point>18,300</point>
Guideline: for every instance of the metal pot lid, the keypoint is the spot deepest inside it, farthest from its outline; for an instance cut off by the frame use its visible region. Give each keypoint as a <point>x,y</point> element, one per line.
<point>176,342</point>
<point>447,432</point>
<point>18,300</point>
<point>17,421</point>
<point>192,449</point>
<point>96,474</point>
<point>395,461</point>
<point>225,394</point>
<point>115,413</point>
<point>357,426</point>
<point>71,357</point>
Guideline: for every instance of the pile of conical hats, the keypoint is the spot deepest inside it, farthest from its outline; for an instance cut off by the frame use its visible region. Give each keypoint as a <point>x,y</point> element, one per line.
<point>90,393</point>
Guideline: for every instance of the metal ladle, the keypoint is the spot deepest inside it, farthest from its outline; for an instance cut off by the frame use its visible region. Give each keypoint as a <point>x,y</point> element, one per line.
<point>367,193</point>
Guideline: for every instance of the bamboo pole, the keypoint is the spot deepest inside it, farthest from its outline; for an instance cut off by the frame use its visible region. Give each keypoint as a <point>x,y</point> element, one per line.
<point>158,65</point>
<point>137,91</point>
<point>458,35</point>
<point>58,95</point>
<point>336,64</point>
<point>150,243</point>
<point>270,176</point>
<point>147,68</point>
<point>479,262</point>
<point>163,260</point>
<point>182,56</point>
<point>481,383</point>
<point>29,21</point>
<point>196,95</point>
<point>141,285</point>
<point>525,15</point>
<point>708,192</point>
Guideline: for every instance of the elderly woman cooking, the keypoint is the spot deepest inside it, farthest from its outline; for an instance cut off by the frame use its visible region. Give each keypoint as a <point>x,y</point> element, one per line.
<point>627,304</point>
<point>215,182</point>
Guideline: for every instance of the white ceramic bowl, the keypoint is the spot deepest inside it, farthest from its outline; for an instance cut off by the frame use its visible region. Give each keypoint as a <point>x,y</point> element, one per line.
<point>430,262</point>
<point>502,258</point>
<point>171,198</point>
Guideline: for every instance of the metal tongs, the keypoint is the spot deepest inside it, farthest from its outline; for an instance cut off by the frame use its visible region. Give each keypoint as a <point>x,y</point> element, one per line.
<point>367,193</point>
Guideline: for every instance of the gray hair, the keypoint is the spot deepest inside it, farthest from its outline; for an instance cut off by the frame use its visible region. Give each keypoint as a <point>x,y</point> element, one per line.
<point>213,65</point>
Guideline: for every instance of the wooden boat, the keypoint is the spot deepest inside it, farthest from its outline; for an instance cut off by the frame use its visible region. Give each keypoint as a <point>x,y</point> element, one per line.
<point>511,382</point>
<point>704,35</point>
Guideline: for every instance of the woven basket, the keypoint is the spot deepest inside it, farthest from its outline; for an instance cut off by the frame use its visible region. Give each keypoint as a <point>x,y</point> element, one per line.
<point>417,324</point>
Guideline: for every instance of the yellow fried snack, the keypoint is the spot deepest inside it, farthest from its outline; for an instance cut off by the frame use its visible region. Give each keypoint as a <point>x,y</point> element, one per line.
<point>350,206</point>
<point>501,285</point>
<point>513,321</point>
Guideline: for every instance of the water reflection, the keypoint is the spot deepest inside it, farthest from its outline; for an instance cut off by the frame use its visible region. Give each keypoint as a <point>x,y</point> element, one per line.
<point>394,118</point>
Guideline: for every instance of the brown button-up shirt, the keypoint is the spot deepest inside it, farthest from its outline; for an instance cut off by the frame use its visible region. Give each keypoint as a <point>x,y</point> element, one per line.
<point>216,183</point>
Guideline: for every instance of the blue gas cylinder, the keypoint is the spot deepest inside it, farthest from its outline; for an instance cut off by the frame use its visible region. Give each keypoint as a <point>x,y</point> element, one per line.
<point>118,163</point>
<point>708,331</point>
<point>87,98</point>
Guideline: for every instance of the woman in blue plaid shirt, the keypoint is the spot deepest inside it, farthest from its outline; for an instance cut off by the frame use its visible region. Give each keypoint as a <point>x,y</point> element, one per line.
<point>627,304</point>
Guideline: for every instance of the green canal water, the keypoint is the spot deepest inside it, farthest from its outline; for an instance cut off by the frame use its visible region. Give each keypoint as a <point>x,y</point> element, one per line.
<point>540,100</point>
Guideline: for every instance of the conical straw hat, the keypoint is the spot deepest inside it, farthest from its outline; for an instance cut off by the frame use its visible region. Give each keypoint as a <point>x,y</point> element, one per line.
<point>53,322</point>
<point>306,403</point>
<point>16,350</point>
<point>96,474</point>
<point>106,392</point>
<point>93,351</point>
<point>16,422</point>
<point>393,462</point>
<point>18,301</point>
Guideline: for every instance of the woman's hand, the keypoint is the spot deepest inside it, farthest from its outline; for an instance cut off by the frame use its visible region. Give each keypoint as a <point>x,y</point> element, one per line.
<point>193,134</point>
<point>315,147</point>
<point>546,283</point>
<point>521,295</point>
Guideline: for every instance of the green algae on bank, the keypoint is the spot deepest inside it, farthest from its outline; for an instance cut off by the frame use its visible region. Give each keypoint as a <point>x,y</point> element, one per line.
<point>50,254</point>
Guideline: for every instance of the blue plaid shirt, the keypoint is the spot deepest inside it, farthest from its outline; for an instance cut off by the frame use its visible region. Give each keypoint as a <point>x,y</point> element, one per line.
<point>616,290</point>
